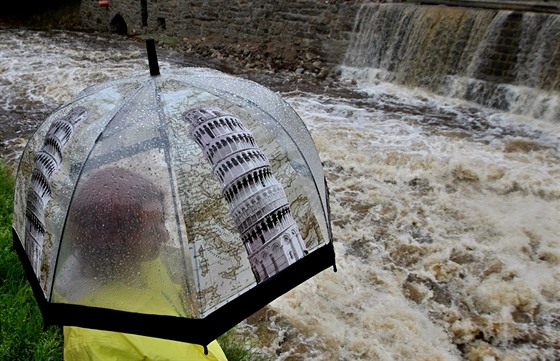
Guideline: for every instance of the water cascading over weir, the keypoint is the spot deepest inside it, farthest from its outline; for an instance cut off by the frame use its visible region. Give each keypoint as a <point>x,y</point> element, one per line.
<point>501,59</point>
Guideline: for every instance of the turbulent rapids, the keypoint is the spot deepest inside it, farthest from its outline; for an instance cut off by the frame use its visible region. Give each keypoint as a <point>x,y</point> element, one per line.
<point>446,215</point>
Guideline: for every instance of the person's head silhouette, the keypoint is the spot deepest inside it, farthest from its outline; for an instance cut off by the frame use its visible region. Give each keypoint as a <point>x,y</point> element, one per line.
<point>116,221</point>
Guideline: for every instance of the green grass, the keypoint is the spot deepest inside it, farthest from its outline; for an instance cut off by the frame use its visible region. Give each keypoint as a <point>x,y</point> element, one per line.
<point>237,347</point>
<point>21,325</point>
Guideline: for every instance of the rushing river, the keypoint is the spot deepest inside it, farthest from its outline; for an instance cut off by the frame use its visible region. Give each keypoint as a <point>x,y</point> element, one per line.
<point>446,215</point>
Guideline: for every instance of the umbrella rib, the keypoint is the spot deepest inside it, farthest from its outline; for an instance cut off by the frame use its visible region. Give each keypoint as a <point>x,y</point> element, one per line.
<point>115,112</point>
<point>174,196</point>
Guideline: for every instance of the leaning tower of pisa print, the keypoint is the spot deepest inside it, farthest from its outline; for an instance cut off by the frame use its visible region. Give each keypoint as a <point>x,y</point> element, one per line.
<point>47,162</point>
<point>257,201</point>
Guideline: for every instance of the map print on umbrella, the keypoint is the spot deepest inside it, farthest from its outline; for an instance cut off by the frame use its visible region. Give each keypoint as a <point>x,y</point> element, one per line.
<point>257,201</point>
<point>47,162</point>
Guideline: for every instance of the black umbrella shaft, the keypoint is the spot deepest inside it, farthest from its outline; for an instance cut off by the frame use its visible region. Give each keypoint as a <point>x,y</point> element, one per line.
<point>152,57</point>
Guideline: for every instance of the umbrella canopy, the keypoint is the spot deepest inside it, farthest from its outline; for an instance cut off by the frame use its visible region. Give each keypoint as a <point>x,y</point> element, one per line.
<point>171,206</point>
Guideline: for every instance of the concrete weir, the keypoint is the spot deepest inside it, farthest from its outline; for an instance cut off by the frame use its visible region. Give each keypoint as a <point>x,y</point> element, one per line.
<point>323,28</point>
<point>504,59</point>
<point>470,49</point>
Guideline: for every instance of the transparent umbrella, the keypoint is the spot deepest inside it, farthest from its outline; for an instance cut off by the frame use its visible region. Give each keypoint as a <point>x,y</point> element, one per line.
<point>170,205</point>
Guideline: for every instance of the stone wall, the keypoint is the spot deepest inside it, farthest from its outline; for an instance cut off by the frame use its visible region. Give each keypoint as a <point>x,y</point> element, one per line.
<point>293,29</point>
<point>299,35</point>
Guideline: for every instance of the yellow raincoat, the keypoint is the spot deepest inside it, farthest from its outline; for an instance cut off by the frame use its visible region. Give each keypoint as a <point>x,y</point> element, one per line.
<point>82,344</point>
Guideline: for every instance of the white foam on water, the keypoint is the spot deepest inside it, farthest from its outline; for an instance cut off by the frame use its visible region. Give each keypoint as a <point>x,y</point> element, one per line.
<point>50,68</point>
<point>446,220</point>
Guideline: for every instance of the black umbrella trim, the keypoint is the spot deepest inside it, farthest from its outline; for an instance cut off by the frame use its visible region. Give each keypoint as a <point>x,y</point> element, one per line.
<point>196,331</point>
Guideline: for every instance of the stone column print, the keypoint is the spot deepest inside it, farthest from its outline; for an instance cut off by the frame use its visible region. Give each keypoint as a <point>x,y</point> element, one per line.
<point>257,201</point>
<point>47,162</point>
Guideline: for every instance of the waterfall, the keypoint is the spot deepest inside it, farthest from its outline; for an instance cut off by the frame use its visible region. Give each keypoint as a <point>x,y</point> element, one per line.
<point>501,59</point>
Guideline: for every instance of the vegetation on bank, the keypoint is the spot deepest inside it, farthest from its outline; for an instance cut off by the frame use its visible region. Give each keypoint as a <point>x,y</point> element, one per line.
<point>21,325</point>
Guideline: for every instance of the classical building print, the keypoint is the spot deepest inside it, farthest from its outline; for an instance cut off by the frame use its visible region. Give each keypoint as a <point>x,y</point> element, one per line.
<point>47,162</point>
<point>257,201</point>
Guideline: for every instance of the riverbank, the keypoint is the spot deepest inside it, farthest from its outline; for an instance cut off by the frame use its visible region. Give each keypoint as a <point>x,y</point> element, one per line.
<point>239,58</point>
